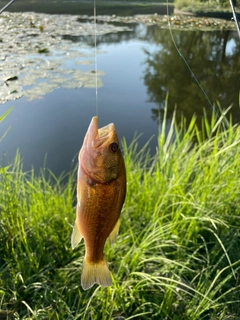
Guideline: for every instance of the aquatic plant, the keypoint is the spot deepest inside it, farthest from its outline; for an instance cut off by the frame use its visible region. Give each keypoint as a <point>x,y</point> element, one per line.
<point>42,52</point>
<point>219,6</point>
<point>176,257</point>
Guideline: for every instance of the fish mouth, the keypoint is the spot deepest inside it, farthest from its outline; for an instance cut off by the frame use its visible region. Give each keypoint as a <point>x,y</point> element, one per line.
<point>98,137</point>
<point>105,132</point>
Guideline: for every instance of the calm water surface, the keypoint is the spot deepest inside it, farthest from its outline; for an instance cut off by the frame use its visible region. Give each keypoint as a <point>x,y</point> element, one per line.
<point>140,67</point>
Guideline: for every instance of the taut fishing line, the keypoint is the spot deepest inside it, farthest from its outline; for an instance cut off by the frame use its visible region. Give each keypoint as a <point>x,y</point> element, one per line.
<point>6,6</point>
<point>95,55</point>
<point>185,61</point>
<point>235,18</point>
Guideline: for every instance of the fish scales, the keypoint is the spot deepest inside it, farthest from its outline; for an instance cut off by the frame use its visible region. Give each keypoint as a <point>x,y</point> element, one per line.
<point>103,204</point>
<point>101,192</point>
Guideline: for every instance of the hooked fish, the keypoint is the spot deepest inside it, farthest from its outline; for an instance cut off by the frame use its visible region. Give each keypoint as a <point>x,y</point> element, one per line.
<point>101,189</point>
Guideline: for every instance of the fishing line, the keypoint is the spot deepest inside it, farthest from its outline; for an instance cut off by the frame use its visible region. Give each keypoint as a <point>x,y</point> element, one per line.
<point>235,18</point>
<point>6,6</point>
<point>95,56</point>
<point>185,61</point>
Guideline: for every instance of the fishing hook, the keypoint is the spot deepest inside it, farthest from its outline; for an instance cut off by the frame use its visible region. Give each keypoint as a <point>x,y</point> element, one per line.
<point>6,6</point>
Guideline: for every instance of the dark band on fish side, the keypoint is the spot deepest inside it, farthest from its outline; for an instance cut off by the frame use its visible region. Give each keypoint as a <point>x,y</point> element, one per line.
<point>113,147</point>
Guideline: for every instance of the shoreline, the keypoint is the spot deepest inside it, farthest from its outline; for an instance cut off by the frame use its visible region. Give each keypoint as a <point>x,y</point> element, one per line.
<point>119,8</point>
<point>208,14</point>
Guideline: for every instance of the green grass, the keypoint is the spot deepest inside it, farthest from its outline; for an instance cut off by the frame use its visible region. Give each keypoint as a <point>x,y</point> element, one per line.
<point>199,6</point>
<point>177,255</point>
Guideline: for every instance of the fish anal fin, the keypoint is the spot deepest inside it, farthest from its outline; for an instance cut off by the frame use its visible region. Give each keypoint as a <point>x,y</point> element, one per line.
<point>113,235</point>
<point>95,272</point>
<point>76,236</point>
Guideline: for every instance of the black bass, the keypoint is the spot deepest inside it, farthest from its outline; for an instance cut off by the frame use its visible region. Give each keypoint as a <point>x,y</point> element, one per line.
<point>101,190</point>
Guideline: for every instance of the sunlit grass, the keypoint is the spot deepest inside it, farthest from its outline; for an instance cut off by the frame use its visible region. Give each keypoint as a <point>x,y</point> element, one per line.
<point>203,6</point>
<point>177,255</point>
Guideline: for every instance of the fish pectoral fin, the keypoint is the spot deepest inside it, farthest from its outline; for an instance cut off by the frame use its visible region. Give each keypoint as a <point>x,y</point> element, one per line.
<point>76,236</point>
<point>95,272</point>
<point>113,235</point>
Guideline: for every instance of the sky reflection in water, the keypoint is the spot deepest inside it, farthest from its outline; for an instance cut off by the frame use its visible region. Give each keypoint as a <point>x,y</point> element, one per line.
<point>140,67</point>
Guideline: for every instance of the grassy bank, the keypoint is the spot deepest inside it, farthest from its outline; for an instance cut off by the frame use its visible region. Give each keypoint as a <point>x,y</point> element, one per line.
<point>176,257</point>
<point>221,9</point>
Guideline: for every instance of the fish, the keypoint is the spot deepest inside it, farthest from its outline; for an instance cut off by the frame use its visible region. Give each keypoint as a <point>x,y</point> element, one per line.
<point>101,191</point>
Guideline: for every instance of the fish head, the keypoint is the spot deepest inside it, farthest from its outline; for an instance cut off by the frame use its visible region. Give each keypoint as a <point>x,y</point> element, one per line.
<point>100,156</point>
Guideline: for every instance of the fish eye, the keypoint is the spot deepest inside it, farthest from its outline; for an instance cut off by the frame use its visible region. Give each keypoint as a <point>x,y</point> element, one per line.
<point>113,147</point>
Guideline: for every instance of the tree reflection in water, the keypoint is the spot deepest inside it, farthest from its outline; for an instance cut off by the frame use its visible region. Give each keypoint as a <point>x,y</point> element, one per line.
<point>214,59</point>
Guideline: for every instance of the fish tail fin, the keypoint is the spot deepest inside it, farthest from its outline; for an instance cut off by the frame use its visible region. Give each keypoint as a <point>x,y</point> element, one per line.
<point>95,272</point>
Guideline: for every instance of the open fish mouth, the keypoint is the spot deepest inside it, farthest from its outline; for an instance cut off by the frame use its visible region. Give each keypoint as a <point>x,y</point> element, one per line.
<point>97,137</point>
<point>106,131</point>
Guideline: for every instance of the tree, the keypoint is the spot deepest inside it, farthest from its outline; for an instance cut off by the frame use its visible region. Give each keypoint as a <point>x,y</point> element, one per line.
<point>216,69</point>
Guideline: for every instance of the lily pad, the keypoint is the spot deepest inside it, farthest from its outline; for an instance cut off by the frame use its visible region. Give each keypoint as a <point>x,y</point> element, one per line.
<point>43,52</point>
<point>40,90</point>
<point>58,80</point>
<point>7,93</point>
<point>83,62</point>
<point>90,83</point>
<point>176,21</point>
<point>72,85</point>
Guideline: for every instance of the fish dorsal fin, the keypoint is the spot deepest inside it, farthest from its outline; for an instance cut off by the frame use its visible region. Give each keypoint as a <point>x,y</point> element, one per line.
<point>113,235</point>
<point>76,236</point>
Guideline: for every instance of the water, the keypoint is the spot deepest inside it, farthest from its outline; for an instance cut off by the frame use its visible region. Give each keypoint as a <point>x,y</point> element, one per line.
<point>141,66</point>
<point>81,7</point>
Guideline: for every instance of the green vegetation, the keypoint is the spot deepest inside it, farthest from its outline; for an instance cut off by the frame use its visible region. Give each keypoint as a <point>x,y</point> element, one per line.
<point>177,255</point>
<point>2,117</point>
<point>204,6</point>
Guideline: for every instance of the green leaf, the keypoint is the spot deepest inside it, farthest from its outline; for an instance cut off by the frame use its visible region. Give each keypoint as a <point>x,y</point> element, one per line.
<point>5,114</point>
<point>1,119</point>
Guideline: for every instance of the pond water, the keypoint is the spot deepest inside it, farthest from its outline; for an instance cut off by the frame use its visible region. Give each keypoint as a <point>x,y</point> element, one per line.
<point>47,74</point>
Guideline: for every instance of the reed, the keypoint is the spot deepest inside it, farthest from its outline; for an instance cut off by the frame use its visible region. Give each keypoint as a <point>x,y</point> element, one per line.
<point>177,255</point>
